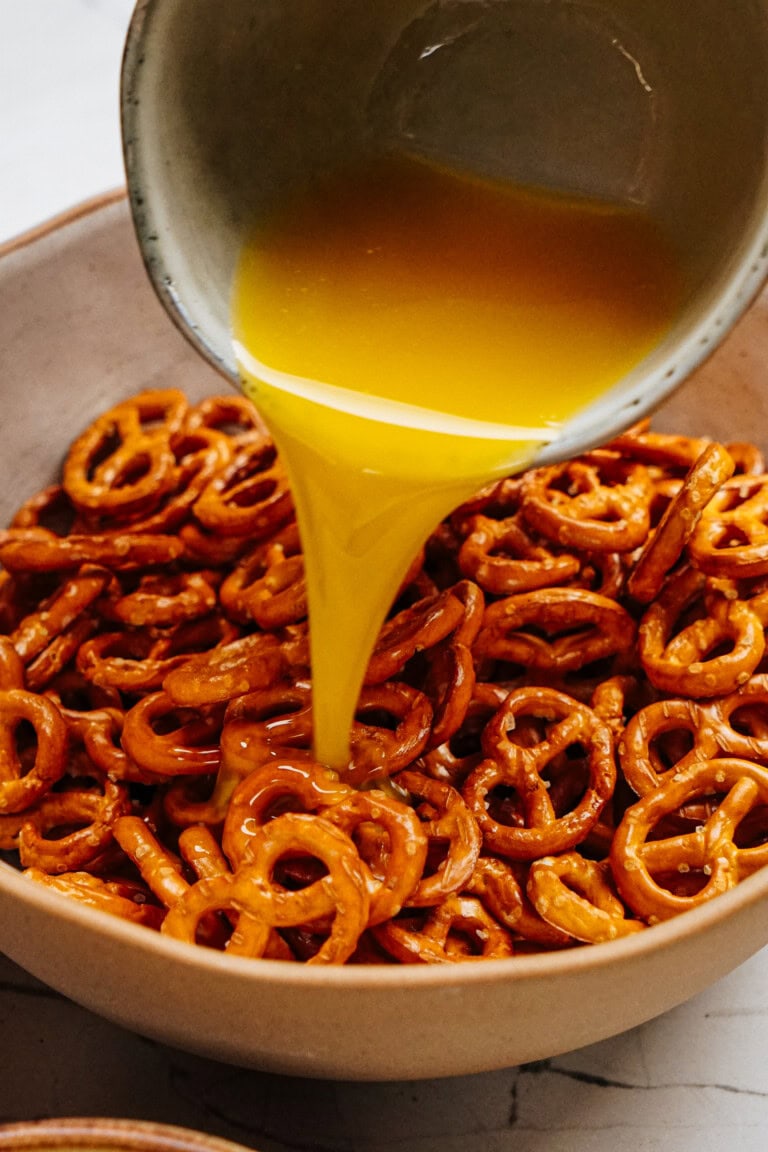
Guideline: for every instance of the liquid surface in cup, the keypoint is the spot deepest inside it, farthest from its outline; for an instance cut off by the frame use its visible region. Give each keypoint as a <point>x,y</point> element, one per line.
<point>410,333</point>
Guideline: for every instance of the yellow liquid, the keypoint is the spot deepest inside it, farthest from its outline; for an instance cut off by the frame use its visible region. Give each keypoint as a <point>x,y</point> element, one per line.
<point>410,333</point>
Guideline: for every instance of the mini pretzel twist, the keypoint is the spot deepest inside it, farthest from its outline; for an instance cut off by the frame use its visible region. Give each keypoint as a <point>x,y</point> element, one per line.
<point>457,930</point>
<point>599,503</point>
<point>665,547</point>
<point>692,662</point>
<point>90,813</point>
<point>577,896</point>
<point>503,558</point>
<point>638,861</point>
<point>22,783</point>
<point>731,538</point>
<point>250,497</point>
<point>579,628</point>
<point>539,830</point>
<point>450,828</point>
<point>123,461</point>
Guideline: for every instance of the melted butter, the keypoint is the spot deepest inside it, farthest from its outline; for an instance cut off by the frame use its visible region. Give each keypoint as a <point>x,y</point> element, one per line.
<point>410,333</point>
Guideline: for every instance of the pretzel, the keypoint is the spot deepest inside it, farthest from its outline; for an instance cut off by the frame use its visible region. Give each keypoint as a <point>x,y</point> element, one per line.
<point>691,662</point>
<point>250,496</point>
<point>731,539</point>
<point>122,461</point>
<point>187,745</point>
<point>599,503</point>
<point>678,523</point>
<point>640,746</point>
<point>90,812</point>
<point>501,556</point>
<point>58,613</point>
<point>267,585</point>
<point>293,784</point>
<point>636,859</point>
<point>398,867</point>
<point>580,627</point>
<point>141,661</point>
<point>116,898</point>
<point>509,763</point>
<point>343,893</point>
<point>449,825</point>
<point>459,929</point>
<point>413,630</point>
<point>160,870</point>
<point>22,784</point>
<point>232,669</point>
<point>38,550</point>
<point>576,895</point>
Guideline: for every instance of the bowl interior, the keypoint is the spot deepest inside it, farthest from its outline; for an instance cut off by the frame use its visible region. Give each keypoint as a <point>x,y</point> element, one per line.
<point>80,329</point>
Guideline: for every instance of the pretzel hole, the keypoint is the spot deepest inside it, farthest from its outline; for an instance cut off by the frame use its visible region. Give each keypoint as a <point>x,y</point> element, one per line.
<point>752,831</point>
<point>668,748</point>
<point>134,470</point>
<point>729,536</point>
<point>504,806</point>
<point>296,872</point>
<point>251,494</point>
<point>750,720</point>
<point>109,443</point>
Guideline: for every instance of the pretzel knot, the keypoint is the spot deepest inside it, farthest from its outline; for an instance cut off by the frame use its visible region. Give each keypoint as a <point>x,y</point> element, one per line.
<point>454,840</point>
<point>88,812</point>
<point>731,539</point>
<point>664,738</point>
<point>460,929</point>
<point>579,628</point>
<point>577,896</point>
<point>501,556</point>
<point>22,783</point>
<point>533,730</point>
<point>641,863</point>
<point>598,503</point>
<point>267,585</point>
<point>343,893</point>
<point>166,740</point>
<point>250,496</point>
<point>692,662</point>
<point>123,462</point>
<point>272,789</point>
<point>665,546</point>
<point>116,898</point>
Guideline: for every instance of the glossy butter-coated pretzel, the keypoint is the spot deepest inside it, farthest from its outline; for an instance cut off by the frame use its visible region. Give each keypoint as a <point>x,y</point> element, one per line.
<point>538,829</point>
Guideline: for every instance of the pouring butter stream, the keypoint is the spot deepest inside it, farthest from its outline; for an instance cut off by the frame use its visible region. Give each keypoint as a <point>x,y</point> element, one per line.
<point>410,333</point>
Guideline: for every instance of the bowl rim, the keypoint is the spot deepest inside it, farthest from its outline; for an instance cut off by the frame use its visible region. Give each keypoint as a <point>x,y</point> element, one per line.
<point>104,1134</point>
<point>572,961</point>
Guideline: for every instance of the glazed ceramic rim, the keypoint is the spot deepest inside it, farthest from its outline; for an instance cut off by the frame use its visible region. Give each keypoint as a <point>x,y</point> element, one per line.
<point>543,966</point>
<point>108,1135</point>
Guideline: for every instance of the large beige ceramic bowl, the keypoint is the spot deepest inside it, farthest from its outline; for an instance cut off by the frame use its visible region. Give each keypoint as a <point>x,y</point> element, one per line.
<point>79,329</point>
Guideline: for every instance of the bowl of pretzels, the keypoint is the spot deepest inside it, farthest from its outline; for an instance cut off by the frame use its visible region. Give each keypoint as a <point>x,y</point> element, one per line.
<point>555,822</point>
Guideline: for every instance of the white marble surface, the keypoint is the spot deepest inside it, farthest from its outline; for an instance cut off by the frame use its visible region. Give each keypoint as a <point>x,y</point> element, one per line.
<point>695,1080</point>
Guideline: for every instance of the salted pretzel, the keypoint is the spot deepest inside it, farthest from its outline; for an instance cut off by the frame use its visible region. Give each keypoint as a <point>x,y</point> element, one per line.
<point>538,829</point>
<point>449,826</point>
<point>22,783</point>
<point>123,462</point>
<point>574,628</point>
<point>503,559</point>
<point>637,859</point>
<point>114,897</point>
<point>600,503</point>
<point>689,659</point>
<point>250,496</point>
<point>577,896</point>
<point>677,525</point>
<point>459,929</point>
<point>89,811</point>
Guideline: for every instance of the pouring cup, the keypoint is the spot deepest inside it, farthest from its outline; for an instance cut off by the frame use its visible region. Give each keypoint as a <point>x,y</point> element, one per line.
<point>227,108</point>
